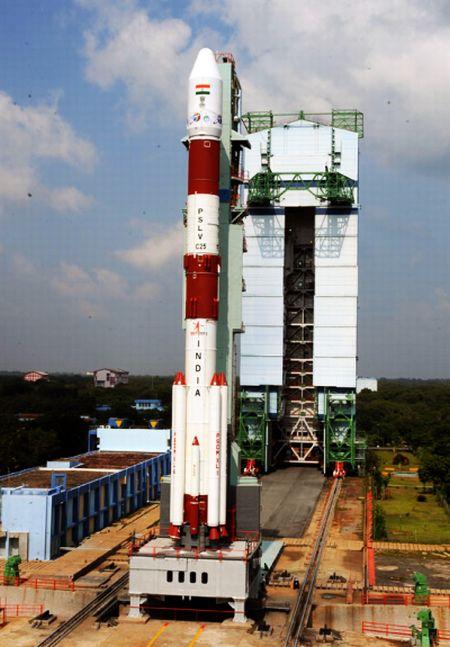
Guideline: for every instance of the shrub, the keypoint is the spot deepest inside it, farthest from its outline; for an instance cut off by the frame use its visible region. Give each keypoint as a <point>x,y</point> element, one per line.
<point>379,523</point>
<point>400,459</point>
<point>421,498</point>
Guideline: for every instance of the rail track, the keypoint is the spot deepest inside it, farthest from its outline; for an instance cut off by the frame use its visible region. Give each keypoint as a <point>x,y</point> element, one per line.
<point>94,605</point>
<point>302,608</point>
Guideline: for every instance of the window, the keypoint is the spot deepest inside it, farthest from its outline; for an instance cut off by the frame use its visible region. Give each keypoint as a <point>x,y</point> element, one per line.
<point>169,576</point>
<point>192,577</point>
<point>204,578</point>
<point>181,577</point>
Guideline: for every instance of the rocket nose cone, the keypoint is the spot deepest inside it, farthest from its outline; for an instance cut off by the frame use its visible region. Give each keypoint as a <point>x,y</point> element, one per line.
<point>205,65</point>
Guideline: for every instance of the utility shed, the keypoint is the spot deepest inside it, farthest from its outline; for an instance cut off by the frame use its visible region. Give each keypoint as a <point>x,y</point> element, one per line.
<point>300,272</point>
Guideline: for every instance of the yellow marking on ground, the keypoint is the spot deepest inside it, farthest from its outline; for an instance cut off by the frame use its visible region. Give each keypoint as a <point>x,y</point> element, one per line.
<point>200,630</point>
<point>157,634</point>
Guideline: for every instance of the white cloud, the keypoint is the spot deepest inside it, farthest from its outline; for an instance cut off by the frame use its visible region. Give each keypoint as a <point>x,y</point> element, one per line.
<point>28,136</point>
<point>74,281</point>
<point>67,199</point>
<point>442,300</point>
<point>157,250</point>
<point>92,292</point>
<point>23,265</point>
<point>388,58</point>
<point>149,56</point>
<point>147,291</point>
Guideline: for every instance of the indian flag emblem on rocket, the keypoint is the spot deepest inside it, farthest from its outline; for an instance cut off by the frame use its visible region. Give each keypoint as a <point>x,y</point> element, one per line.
<point>202,88</point>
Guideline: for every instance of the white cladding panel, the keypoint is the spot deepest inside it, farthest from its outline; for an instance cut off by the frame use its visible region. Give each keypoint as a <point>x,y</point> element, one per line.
<point>336,281</point>
<point>336,224</point>
<point>300,145</point>
<point>262,301</point>
<point>265,225</point>
<point>335,371</point>
<point>333,341</point>
<point>303,145</point>
<point>335,302</point>
<point>264,251</point>
<point>267,340</point>
<point>335,311</point>
<point>261,370</point>
<point>263,281</point>
<point>336,251</point>
<point>266,311</point>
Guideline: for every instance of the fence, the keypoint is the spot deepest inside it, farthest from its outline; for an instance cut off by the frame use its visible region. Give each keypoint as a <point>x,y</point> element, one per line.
<point>20,610</point>
<point>370,552</point>
<point>39,583</point>
<point>401,599</point>
<point>50,583</point>
<point>396,631</point>
<point>404,599</point>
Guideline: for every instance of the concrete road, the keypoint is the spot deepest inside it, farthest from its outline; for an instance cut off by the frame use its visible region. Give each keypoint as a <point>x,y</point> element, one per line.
<point>289,496</point>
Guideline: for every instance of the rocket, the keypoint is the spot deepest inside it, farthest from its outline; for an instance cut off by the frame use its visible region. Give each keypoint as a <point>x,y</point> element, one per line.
<point>199,396</point>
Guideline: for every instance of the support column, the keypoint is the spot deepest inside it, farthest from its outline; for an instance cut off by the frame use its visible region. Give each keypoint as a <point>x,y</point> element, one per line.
<point>238,604</point>
<point>135,606</point>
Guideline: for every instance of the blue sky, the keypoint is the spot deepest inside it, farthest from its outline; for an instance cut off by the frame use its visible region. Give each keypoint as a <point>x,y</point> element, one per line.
<point>92,99</point>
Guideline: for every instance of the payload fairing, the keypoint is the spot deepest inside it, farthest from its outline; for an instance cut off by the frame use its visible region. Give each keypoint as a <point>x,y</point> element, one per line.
<point>199,398</point>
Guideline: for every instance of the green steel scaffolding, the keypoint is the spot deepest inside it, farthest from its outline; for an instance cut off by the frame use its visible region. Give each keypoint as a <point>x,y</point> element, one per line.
<point>340,428</point>
<point>253,426</point>
<point>347,119</point>
<point>328,186</point>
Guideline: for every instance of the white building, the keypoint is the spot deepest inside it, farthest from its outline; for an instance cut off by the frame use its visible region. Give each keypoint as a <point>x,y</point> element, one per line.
<point>108,378</point>
<point>369,383</point>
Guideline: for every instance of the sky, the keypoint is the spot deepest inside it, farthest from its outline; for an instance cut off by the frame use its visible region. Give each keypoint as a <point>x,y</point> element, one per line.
<point>93,176</point>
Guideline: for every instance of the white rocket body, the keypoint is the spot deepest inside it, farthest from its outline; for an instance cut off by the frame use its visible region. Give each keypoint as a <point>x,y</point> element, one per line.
<point>199,428</point>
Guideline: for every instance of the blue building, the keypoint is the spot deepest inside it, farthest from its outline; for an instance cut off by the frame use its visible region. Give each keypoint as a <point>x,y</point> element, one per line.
<point>148,405</point>
<point>46,508</point>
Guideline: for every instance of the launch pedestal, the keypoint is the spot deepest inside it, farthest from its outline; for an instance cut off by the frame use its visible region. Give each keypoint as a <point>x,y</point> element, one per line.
<point>230,574</point>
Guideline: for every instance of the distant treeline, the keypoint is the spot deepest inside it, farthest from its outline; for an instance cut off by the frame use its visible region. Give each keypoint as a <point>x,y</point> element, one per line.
<point>413,413</point>
<point>60,430</point>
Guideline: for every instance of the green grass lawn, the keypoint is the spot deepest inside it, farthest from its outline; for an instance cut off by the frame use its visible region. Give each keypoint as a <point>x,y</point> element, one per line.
<point>386,456</point>
<point>407,520</point>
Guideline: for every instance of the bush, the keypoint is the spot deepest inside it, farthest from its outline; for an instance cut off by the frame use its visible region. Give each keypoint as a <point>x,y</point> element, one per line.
<point>400,459</point>
<point>421,498</point>
<point>379,523</point>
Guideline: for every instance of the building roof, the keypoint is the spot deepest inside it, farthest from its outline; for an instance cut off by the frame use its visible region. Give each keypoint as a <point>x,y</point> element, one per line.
<point>42,478</point>
<point>43,373</point>
<point>94,464</point>
<point>113,460</point>
<point>112,370</point>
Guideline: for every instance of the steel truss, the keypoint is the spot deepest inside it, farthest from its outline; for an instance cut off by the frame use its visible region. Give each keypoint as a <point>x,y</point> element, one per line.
<point>330,186</point>
<point>253,426</point>
<point>300,442</point>
<point>347,119</point>
<point>340,428</point>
